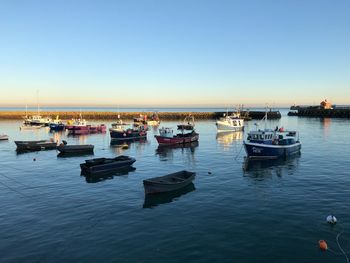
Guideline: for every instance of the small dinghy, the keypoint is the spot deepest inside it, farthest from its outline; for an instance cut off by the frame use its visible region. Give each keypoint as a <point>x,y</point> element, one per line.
<point>105,165</point>
<point>168,182</point>
<point>36,145</point>
<point>3,137</point>
<point>75,149</point>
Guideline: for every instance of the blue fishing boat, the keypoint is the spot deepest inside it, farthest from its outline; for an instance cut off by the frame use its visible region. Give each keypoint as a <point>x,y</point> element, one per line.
<point>271,144</point>
<point>56,125</point>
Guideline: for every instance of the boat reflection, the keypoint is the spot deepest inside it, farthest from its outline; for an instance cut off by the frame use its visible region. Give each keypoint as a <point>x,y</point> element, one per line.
<point>67,155</point>
<point>167,151</point>
<point>266,168</point>
<point>152,200</point>
<point>107,176</point>
<point>227,138</point>
<point>120,146</point>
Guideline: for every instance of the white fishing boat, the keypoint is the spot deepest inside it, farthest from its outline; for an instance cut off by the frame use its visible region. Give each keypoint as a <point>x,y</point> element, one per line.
<point>3,137</point>
<point>232,122</point>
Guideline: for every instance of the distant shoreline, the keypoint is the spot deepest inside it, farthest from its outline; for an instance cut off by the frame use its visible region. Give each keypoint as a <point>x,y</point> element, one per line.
<point>97,115</point>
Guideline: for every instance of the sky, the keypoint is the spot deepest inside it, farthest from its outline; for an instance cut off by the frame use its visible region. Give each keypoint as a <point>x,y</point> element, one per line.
<point>174,52</point>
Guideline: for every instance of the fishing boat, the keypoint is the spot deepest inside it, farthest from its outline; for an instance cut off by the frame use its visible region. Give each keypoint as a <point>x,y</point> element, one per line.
<point>232,122</point>
<point>36,145</point>
<point>153,120</point>
<point>101,128</point>
<point>141,121</point>
<point>3,137</point>
<point>168,183</point>
<point>76,149</point>
<point>187,134</point>
<point>119,133</point>
<point>271,144</point>
<point>36,120</point>
<point>77,126</point>
<point>56,125</point>
<point>105,165</point>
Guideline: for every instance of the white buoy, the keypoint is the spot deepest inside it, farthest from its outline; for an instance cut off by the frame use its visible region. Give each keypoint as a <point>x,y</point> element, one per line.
<point>331,219</point>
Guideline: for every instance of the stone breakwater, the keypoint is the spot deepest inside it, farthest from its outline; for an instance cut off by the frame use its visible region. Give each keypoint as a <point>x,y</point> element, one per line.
<point>91,115</point>
<point>321,113</point>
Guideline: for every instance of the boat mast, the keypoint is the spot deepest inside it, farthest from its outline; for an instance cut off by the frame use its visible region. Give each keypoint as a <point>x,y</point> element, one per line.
<point>37,100</point>
<point>265,118</point>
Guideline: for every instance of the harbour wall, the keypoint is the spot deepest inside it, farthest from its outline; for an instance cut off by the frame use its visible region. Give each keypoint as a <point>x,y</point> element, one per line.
<point>321,113</point>
<point>18,115</point>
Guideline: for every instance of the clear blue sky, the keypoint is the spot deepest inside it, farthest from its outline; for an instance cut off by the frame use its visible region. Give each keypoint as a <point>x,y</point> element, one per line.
<point>180,52</point>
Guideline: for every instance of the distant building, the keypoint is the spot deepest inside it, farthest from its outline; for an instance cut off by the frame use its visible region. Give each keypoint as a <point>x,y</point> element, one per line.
<point>326,105</point>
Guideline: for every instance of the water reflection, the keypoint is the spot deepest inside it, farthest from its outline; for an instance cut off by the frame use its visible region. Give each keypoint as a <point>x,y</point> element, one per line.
<point>107,176</point>
<point>120,146</point>
<point>166,152</point>
<point>326,123</point>
<point>152,200</point>
<point>259,169</point>
<point>68,155</point>
<point>227,138</point>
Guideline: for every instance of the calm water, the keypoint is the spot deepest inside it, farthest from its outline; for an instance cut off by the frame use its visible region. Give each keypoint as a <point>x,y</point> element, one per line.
<point>267,212</point>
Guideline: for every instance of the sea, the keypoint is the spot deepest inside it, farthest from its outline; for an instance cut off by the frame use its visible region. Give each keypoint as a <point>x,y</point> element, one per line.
<point>235,210</point>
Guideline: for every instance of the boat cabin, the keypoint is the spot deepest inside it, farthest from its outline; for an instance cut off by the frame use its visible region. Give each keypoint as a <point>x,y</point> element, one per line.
<point>278,137</point>
<point>166,132</point>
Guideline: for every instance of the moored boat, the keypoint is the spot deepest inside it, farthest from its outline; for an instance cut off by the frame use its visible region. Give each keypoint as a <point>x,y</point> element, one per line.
<point>119,133</point>
<point>153,120</point>
<point>232,122</point>
<point>36,145</point>
<point>105,165</point>
<point>271,144</point>
<point>83,148</point>
<point>77,126</point>
<point>168,183</point>
<point>3,137</point>
<point>56,125</point>
<point>187,134</point>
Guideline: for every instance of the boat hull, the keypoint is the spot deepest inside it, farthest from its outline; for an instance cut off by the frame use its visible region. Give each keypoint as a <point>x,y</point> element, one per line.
<point>224,127</point>
<point>127,135</point>
<point>193,137</point>
<point>266,151</point>
<point>35,145</point>
<point>106,167</point>
<point>4,137</point>
<point>75,148</point>
<point>153,186</point>
<point>56,127</point>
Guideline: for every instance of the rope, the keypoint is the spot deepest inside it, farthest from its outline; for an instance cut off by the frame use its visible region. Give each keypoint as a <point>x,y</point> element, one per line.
<point>239,152</point>
<point>341,249</point>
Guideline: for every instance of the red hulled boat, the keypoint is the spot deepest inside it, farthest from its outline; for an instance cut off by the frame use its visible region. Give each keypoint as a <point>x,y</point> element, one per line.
<point>187,134</point>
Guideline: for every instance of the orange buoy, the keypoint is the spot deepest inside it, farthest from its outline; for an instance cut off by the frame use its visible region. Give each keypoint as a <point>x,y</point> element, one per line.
<point>323,245</point>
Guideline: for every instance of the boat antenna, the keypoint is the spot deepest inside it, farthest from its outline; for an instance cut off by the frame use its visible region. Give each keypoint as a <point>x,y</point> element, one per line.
<point>265,117</point>
<point>37,100</point>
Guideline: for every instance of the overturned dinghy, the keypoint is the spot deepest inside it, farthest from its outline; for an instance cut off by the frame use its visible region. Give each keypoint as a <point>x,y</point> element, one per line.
<point>105,165</point>
<point>168,183</point>
<point>75,149</point>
